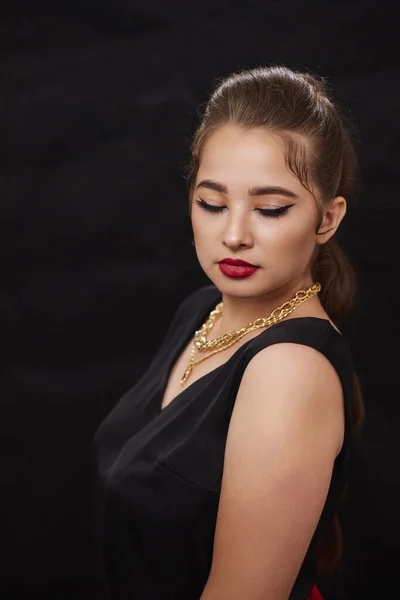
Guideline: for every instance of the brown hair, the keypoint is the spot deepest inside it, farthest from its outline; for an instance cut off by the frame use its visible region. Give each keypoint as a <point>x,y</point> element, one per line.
<point>320,152</point>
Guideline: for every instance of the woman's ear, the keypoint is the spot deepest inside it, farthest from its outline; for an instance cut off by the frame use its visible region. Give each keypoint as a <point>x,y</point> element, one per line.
<point>332,219</point>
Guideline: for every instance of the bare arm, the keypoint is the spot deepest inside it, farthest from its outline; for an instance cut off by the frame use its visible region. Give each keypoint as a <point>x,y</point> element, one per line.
<point>286,430</point>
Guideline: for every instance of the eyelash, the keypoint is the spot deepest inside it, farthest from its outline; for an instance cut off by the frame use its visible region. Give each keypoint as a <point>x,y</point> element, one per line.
<point>274,213</point>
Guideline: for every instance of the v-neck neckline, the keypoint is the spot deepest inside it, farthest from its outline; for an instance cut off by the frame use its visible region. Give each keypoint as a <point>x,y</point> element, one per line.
<point>159,396</point>
<point>174,357</point>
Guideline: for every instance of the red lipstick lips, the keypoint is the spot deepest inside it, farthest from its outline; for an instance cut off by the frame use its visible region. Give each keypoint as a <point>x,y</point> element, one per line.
<point>235,267</point>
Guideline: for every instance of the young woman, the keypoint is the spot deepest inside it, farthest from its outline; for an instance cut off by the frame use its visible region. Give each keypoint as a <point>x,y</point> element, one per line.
<point>223,467</point>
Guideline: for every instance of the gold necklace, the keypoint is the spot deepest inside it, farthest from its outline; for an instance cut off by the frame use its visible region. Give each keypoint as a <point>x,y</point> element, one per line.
<point>202,344</point>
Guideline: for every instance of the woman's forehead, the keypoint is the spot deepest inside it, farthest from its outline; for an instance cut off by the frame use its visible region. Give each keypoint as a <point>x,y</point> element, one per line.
<point>237,158</point>
<point>237,164</point>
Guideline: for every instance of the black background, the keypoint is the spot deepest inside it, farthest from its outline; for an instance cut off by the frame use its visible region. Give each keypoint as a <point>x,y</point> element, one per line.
<point>98,103</point>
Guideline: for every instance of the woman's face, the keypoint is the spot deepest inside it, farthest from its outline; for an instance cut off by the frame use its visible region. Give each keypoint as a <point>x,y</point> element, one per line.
<point>241,173</point>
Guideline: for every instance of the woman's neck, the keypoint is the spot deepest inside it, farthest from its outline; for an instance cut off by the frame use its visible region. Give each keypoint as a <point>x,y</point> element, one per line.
<point>240,311</point>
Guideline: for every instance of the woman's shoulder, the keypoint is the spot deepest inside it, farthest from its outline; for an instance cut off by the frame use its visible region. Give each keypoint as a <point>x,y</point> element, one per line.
<point>305,352</point>
<point>296,341</point>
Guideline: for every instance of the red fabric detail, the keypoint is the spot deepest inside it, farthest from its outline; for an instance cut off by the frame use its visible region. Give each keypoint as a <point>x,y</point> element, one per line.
<point>315,594</point>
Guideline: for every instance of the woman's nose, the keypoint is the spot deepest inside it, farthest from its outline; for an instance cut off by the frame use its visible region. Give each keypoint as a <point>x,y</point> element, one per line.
<point>238,232</point>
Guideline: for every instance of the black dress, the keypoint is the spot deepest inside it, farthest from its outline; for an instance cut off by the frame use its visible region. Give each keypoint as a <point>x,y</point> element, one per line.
<point>160,471</point>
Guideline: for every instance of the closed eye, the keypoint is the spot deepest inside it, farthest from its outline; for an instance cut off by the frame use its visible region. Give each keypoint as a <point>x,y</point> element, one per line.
<point>265,212</point>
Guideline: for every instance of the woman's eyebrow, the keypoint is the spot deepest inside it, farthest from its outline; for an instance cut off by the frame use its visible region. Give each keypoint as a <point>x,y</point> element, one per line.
<point>266,190</point>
